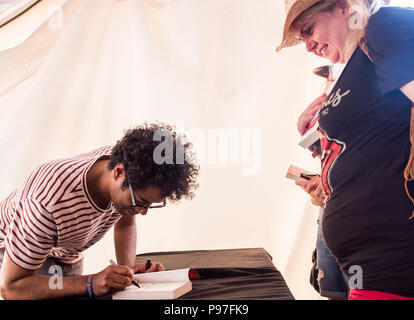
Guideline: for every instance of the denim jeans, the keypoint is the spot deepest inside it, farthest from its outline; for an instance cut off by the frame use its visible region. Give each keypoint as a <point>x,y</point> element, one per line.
<point>332,282</point>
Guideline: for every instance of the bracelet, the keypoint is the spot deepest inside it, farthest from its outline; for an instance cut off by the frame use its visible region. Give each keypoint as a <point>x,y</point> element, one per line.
<point>89,289</point>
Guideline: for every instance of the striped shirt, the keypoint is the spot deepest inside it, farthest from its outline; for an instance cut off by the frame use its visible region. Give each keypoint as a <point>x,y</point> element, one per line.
<point>53,215</point>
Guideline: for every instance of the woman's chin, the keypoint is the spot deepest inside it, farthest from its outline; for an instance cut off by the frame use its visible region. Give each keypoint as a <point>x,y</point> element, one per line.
<point>334,58</point>
<point>331,56</point>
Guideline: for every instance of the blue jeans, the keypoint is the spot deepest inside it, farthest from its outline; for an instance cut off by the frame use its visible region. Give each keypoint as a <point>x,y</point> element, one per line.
<point>332,282</point>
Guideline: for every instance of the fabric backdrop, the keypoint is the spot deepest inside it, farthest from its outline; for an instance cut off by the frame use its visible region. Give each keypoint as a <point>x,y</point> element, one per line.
<point>97,67</point>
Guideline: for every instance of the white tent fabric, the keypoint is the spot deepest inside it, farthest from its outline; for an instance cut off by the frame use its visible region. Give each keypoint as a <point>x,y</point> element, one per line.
<point>207,66</point>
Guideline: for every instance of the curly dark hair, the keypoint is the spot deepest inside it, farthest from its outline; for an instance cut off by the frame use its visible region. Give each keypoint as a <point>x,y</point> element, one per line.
<point>137,151</point>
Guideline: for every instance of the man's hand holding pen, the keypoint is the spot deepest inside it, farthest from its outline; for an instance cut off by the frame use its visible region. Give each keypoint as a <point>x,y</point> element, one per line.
<point>117,277</point>
<point>113,278</point>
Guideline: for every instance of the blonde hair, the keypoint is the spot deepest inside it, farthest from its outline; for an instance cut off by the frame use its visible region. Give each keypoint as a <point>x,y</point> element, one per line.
<point>360,11</point>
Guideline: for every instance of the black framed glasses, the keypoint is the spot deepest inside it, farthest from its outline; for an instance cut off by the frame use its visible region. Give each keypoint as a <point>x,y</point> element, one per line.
<point>142,206</point>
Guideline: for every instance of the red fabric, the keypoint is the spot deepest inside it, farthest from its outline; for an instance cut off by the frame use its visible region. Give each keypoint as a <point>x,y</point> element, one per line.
<point>356,294</point>
<point>192,274</point>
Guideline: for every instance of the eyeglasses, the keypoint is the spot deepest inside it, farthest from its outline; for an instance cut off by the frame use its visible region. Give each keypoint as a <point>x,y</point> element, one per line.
<point>142,206</point>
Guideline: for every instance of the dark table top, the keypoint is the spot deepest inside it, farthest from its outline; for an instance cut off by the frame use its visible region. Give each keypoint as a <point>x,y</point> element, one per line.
<point>229,274</point>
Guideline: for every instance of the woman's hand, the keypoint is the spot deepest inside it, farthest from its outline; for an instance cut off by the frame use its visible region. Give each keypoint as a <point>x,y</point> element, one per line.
<point>309,113</point>
<point>313,187</point>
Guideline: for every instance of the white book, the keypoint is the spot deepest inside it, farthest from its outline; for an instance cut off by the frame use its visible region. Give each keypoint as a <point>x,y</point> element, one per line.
<point>295,173</point>
<point>161,285</point>
<point>310,137</point>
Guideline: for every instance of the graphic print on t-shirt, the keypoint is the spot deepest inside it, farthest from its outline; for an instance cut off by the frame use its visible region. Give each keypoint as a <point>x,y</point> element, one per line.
<point>331,149</point>
<point>333,100</point>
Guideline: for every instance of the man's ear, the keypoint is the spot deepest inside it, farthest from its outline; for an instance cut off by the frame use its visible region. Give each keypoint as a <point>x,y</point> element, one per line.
<point>119,171</point>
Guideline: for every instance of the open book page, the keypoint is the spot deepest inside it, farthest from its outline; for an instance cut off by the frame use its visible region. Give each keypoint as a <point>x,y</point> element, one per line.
<point>169,284</point>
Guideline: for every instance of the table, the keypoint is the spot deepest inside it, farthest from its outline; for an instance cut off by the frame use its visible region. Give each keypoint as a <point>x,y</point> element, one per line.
<point>227,274</point>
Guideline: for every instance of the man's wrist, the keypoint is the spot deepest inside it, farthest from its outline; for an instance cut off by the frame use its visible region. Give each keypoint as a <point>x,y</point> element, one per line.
<point>89,287</point>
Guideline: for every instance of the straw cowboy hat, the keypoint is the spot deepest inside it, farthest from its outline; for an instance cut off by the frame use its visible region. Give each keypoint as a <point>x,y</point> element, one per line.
<point>294,9</point>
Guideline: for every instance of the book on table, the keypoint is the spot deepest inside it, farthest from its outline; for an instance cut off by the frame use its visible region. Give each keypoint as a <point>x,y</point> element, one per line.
<point>162,285</point>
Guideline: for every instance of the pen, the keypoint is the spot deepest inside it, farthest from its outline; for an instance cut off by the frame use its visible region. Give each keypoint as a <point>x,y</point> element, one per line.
<point>133,281</point>
<point>148,265</point>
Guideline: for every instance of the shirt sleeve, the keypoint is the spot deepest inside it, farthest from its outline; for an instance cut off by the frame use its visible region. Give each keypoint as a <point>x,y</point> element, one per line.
<point>390,42</point>
<point>31,235</point>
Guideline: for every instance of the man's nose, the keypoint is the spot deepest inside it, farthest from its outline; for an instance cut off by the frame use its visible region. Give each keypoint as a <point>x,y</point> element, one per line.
<point>142,211</point>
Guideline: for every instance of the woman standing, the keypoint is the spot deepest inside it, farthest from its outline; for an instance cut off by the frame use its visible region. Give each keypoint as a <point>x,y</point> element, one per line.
<point>366,121</point>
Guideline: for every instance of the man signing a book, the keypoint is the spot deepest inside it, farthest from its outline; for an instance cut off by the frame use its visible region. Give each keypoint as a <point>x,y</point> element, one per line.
<point>67,205</point>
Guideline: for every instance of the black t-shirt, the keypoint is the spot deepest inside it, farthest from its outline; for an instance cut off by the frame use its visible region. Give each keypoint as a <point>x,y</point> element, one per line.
<point>366,120</point>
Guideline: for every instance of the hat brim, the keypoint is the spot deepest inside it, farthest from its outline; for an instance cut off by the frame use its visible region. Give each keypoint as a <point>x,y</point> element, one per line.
<point>288,39</point>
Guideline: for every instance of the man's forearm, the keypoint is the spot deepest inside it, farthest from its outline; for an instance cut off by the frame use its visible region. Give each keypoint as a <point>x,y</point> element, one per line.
<point>125,239</point>
<point>45,287</point>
